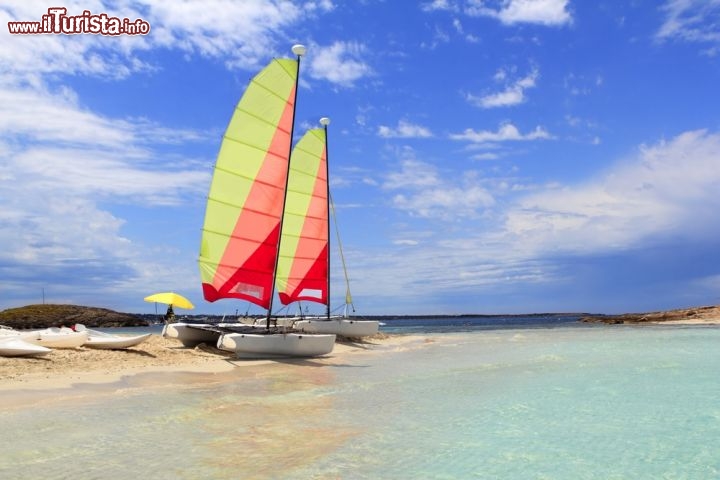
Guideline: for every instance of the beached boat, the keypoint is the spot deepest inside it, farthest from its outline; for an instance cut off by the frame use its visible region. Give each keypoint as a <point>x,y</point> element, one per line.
<point>192,334</point>
<point>55,337</point>
<point>339,325</point>
<point>304,263</point>
<point>109,341</point>
<point>260,345</point>
<point>242,231</point>
<point>304,267</point>
<point>303,258</point>
<point>15,346</point>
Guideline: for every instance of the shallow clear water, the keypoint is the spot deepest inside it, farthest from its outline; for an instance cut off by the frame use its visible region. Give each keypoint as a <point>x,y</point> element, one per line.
<point>556,403</point>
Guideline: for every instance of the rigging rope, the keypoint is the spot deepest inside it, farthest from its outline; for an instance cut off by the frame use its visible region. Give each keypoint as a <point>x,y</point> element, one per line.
<point>348,296</point>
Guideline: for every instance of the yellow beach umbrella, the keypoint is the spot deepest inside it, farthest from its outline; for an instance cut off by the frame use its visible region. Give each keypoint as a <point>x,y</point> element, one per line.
<point>170,298</point>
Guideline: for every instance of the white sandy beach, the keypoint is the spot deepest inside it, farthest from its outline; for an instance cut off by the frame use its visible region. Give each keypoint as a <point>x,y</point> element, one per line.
<point>62,368</point>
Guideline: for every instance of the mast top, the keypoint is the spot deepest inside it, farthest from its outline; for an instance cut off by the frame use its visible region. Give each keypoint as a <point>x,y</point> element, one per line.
<point>298,50</point>
<point>324,121</point>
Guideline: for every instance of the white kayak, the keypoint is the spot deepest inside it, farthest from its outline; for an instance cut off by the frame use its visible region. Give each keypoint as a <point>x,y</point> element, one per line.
<point>54,337</point>
<point>109,341</point>
<point>15,346</point>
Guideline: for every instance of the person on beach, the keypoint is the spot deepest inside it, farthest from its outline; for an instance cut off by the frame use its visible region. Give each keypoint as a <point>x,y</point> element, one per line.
<point>170,314</point>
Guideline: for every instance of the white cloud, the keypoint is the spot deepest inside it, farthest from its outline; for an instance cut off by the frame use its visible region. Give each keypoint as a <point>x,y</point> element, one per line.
<point>543,12</point>
<point>438,5</point>
<point>446,202</point>
<point>427,195</point>
<point>413,174</point>
<point>242,34</point>
<point>663,192</point>
<point>404,130</point>
<point>486,156</point>
<point>506,132</point>
<point>513,94</point>
<point>60,175</point>
<point>669,189</point>
<point>341,63</point>
<point>691,21</point>
<point>34,55</point>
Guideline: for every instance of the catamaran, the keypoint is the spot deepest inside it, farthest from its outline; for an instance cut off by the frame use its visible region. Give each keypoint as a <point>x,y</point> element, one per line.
<point>242,231</point>
<point>304,261</point>
<point>304,267</point>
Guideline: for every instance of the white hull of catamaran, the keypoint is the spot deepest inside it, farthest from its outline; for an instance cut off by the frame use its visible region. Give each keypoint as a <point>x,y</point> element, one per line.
<point>345,327</point>
<point>274,321</point>
<point>191,335</point>
<point>258,345</point>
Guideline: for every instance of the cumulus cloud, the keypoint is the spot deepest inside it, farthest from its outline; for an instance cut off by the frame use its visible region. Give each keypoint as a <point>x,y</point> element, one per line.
<point>438,5</point>
<point>668,189</point>
<point>404,130</point>
<point>543,12</point>
<point>64,172</point>
<point>506,132</point>
<point>426,194</point>
<point>513,94</point>
<point>660,193</point>
<point>241,34</point>
<point>340,63</point>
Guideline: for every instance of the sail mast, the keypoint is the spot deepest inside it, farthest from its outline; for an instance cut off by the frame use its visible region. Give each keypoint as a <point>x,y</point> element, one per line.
<point>325,122</point>
<point>299,51</point>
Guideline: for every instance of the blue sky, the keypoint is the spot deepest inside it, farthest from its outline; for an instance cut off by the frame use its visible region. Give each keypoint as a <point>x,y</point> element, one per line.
<point>506,156</point>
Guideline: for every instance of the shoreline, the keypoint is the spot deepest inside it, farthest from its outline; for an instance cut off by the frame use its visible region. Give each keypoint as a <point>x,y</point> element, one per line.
<point>66,368</point>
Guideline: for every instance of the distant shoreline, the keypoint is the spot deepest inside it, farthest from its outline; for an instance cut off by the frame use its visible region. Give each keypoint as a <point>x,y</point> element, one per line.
<point>43,316</point>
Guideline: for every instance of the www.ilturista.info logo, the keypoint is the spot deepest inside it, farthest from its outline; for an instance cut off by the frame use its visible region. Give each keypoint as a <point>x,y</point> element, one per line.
<point>57,21</point>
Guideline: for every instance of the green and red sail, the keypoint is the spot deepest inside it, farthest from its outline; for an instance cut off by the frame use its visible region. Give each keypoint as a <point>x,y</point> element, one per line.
<point>258,193</point>
<point>245,205</point>
<point>302,272</point>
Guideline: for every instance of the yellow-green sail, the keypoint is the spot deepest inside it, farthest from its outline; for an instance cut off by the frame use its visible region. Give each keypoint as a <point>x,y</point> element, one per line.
<point>244,209</point>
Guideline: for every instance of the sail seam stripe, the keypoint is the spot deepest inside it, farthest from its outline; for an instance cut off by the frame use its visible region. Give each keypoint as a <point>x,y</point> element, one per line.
<point>255,147</point>
<point>288,72</point>
<point>221,234</point>
<point>258,212</point>
<point>227,265</point>
<point>254,180</point>
<point>300,215</point>
<point>271,92</point>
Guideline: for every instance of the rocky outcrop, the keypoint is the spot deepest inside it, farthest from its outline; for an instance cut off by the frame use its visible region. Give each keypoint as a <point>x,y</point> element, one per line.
<point>697,313</point>
<point>43,316</point>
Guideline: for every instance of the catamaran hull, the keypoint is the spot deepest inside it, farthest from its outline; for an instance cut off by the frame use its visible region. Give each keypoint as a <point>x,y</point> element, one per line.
<point>344,327</point>
<point>191,335</point>
<point>258,345</point>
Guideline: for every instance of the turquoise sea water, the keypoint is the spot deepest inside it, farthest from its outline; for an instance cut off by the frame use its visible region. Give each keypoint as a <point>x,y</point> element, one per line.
<point>609,402</point>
